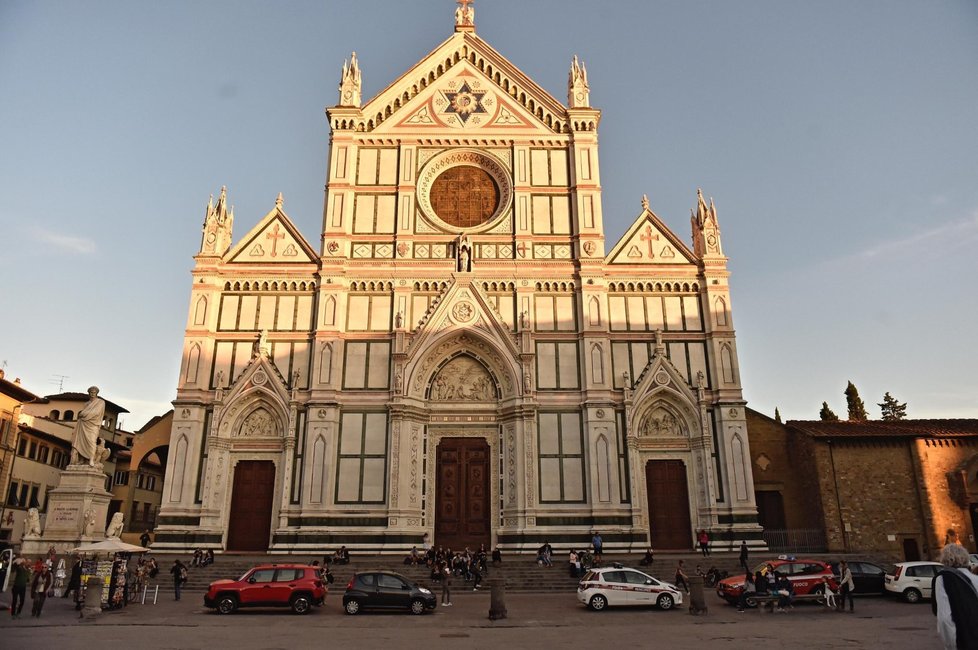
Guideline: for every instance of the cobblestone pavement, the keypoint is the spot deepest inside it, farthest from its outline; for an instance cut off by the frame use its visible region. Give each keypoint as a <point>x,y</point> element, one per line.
<point>535,621</point>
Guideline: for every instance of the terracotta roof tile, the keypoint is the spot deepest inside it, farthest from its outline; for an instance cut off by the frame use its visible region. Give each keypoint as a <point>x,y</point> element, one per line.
<point>881,428</point>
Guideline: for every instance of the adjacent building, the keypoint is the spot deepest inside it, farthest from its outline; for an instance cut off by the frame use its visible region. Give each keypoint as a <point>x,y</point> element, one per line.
<point>890,487</point>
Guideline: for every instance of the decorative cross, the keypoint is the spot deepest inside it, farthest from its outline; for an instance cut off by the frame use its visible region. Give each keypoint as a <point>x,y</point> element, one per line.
<point>275,235</point>
<point>464,4</point>
<point>521,249</point>
<point>648,236</point>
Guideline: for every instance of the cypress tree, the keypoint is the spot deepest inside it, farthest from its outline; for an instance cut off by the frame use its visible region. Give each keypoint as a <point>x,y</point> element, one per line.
<point>777,414</point>
<point>826,414</point>
<point>857,410</point>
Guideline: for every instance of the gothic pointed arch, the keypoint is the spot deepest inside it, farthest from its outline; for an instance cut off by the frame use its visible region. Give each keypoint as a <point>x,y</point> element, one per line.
<point>257,403</point>
<point>664,405</point>
<point>475,347</point>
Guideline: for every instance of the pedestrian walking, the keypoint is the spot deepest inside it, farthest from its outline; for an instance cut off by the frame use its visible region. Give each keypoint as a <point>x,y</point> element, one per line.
<point>179,572</point>
<point>74,581</point>
<point>955,599</point>
<point>18,592</point>
<point>42,582</point>
<point>681,577</point>
<point>846,587</point>
<point>743,555</point>
<point>704,539</point>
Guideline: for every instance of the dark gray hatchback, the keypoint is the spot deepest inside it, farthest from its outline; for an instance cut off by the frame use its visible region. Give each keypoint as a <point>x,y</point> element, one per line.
<point>386,590</point>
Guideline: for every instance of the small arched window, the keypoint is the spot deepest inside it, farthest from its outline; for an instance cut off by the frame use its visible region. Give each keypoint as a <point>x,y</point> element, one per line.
<point>54,415</point>
<point>69,416</point>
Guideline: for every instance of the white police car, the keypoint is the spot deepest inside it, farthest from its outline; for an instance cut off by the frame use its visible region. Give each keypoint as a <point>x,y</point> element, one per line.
<point>618,585</point>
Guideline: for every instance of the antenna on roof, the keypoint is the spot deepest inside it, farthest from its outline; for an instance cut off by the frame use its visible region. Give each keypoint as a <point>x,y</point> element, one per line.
<point>60,381</point>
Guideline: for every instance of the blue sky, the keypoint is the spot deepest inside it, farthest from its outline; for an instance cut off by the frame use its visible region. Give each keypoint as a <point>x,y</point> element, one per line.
<point>839,140</point>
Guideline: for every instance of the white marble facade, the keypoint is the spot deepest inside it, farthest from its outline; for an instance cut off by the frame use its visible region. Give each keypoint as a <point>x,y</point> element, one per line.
<point>463,290</point>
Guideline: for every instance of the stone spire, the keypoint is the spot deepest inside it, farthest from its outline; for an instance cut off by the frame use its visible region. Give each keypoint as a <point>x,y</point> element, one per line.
<point>279,201</point>
<point>706,228</point>
<point>218,220</point>
<point>464,16</point>
<point>350,85</point>
<point>578,92</point>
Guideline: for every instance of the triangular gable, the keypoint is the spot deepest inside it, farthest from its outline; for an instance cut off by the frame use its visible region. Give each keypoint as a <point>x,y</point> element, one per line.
<point>515,101</point>
<point>649,241</point>
<point>461,306</point>
<point>275,239</point>
<point>660,381</point>
<point>260,372</point>
<point>463,99</point>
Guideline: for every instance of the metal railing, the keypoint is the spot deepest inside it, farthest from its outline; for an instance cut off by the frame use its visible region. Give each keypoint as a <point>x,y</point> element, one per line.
<point>795,540</point>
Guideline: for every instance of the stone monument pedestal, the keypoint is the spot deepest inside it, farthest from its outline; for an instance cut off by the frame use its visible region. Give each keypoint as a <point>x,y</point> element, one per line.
<point>77,510</point>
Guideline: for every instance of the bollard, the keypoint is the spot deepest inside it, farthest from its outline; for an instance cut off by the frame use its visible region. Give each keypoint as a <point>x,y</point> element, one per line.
<point>697,601</point>
<point>497,599</point>
<point>93,598</point>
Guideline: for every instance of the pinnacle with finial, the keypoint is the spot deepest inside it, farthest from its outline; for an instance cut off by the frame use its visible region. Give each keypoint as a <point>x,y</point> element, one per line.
<point>645,201</point>
<point>279,200</point>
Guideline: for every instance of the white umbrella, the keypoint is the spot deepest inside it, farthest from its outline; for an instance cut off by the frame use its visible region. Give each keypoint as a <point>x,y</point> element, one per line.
<point>111,545</point>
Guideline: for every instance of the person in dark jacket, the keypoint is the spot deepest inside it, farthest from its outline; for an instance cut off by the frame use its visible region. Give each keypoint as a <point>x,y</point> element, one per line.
<point>19,582</point>
<point>743,555</point>
<point>42,581</point>
<point>179,572</point>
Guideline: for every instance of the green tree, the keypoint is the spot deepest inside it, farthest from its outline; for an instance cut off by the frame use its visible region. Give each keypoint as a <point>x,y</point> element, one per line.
<point>826,414</point>
<point>857,410</point>
<point>892,409</point>
<point>777,414</point>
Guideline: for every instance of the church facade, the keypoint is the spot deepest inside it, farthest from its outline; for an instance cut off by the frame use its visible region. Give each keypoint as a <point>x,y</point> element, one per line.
<point>465,357</point>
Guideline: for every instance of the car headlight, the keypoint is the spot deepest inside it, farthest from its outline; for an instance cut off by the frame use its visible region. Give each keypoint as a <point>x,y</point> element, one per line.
<point>424,591</point>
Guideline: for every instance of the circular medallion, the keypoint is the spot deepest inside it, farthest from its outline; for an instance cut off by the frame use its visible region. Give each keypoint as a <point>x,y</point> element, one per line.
<point>662,378</point>
<point>464,190</point>
<point>599,413</point>
<point>463,312</point>
<point>259,378</point>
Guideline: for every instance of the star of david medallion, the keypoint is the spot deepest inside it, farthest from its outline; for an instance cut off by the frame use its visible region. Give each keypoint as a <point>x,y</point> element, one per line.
<point>463,312</point>
<point>465,102</point>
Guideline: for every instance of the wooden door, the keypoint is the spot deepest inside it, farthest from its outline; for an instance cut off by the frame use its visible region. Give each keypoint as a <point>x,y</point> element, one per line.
<point>911,552</point>
<point>668,505</point>
<point>462,503</point>
<point>250,521</point>
<point>770,509</point>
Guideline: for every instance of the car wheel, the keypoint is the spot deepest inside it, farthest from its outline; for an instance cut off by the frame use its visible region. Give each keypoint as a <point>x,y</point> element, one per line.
<point>417,606</point>
<point>352,607</point>
<point>751,601</point>
<point>598,603</point>
<point>665,602</point>
<point>300,604</point>
<point>912,595</point>
<point>227,604</point>
<point>819,593</point>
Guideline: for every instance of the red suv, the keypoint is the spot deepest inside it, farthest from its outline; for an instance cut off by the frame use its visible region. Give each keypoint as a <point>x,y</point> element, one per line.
<point>806,577</point>
<point>298,586</point>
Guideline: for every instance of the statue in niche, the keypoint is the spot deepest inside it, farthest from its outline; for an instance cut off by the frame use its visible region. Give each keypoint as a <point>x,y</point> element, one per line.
<point>398,320</point>
<point>261,345</point>
<point>464,250</point>
<point>398,381</point>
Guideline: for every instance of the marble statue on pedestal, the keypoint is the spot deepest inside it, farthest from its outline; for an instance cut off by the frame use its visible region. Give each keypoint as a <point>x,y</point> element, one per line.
<point>32,525</point>
<point>85,440</point>
<point>115,526</point>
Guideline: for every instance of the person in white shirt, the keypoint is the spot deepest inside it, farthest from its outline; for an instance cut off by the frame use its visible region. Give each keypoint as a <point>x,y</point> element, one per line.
<point>953,601</point>
<point>846,587</point>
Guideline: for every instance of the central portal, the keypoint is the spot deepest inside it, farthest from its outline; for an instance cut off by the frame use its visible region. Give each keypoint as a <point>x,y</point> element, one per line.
<point>462,505</point>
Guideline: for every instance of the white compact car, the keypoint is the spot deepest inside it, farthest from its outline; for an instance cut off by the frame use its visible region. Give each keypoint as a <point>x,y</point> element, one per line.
<point>911,580</point>
<point>618,585</point>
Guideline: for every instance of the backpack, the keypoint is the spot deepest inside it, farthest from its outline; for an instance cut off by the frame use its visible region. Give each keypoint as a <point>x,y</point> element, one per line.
<point>963,597</point>
<point>183,574</point>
